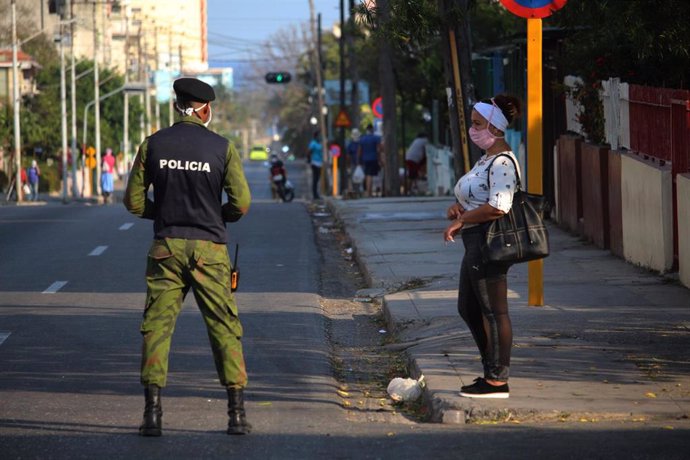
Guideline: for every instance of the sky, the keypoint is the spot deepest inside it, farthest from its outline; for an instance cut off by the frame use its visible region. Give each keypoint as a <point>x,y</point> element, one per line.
<point>236,27</point>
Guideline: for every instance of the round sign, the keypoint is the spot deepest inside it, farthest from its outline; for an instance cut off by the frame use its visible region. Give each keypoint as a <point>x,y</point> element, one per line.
<point>335,150</point>
<point>533,8</point>
<point>90,162</point>
<point>377,107</point>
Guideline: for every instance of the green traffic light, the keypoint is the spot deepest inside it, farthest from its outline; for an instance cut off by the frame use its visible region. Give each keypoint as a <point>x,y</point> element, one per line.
<point>279,77</point>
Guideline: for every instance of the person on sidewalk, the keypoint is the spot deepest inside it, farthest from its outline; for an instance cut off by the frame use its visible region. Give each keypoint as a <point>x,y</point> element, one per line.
<point>107,173</point>
<point>415,161</point>
<point>316,161</point>
<point>34,174</point>
<point>189,167</point>
<point>370,157</point>
<point>484,194</point>
<point>352,160</point>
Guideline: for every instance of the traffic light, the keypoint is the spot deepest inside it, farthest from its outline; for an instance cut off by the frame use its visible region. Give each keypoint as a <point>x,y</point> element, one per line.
<point>278,77</point>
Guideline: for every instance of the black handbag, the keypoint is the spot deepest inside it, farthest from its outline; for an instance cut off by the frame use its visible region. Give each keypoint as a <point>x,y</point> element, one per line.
<point>519,235</point>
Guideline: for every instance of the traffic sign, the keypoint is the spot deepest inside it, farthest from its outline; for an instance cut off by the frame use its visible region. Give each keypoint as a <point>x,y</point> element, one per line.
<point>342,120</point>
<point>90,162</point>
<point>90,151</point>
<point>377,107</point>
<point>335,150</point>
<point>533,8</point>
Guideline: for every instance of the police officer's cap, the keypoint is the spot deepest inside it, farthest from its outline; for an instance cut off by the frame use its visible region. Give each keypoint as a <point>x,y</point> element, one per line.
<point>192,89</point>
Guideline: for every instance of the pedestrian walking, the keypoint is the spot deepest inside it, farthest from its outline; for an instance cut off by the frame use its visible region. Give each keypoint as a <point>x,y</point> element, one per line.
<point>316,161</point>
<point>370,157</point>
<point>484,194</point>
<point>189,167</point>
<point>107,174</point>
<point>415,160</point>
<point>352,150</point>
<point>34,175</point>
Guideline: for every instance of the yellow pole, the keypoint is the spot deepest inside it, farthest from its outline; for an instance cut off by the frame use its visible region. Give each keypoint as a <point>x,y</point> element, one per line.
<point>535,268</point>
<point>335,176</point>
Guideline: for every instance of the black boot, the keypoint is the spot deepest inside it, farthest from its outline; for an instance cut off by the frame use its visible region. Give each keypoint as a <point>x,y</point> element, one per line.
<point>153,412</point>
<point>238,419</point>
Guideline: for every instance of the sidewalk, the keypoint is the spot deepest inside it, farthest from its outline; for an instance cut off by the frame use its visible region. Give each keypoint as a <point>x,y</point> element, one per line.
<point>612,342</point>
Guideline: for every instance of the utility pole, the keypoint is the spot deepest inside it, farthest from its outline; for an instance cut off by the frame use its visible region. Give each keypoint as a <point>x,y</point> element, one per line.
<point>63,112</point>
<point>319,88</point>
<point>15,107</point>
<point>73,97</point>
<point>387,82</point>
<point>97,96</point>
<point>125,133</point>
<point>341,131</point>
<point>170,71</point>
<point>157,108</point>
<point>354,68</point>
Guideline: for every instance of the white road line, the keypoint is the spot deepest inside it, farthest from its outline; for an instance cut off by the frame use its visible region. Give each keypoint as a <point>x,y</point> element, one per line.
<point>3,336</point>
<point>126,226</point>
<point>98,251</point>
<point>56,286</point>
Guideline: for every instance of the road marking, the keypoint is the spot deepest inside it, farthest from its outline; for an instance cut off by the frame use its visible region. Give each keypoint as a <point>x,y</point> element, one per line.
<point>98,251</point>
<point>127,226</point>
<point>56,286</point>
<point>3,336</point>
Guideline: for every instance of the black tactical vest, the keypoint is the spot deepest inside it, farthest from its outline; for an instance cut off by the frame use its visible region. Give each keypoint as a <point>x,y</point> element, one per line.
<point>186,165</point>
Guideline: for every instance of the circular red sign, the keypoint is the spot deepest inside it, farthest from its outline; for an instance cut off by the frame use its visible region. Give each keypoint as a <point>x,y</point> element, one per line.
<point>377,107</point>
<point>335,150</point>
<point>533,8</point>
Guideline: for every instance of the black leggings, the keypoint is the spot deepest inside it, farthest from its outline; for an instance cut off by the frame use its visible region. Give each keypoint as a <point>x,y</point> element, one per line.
<point>483,304</point>
<point>315,176</point>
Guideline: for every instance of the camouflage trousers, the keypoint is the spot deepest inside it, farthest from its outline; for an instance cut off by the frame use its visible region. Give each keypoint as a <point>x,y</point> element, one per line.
<point>173,267</point>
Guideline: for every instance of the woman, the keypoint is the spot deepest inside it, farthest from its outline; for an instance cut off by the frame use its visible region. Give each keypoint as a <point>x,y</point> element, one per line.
<point>107,172</point>
<point>483,194</point>
<point>34,174</point>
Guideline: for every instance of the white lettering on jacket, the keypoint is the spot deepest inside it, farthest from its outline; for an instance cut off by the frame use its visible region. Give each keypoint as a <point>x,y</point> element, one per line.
<point>185,165</point>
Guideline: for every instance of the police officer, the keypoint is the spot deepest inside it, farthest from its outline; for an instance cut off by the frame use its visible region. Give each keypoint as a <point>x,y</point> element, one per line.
<point>189,167</point>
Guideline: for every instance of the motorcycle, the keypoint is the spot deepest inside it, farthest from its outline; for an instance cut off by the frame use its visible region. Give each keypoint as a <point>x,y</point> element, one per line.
<point>281,186</point>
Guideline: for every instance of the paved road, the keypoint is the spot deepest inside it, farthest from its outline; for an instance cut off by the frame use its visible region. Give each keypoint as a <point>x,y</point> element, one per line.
<point>71,294</point>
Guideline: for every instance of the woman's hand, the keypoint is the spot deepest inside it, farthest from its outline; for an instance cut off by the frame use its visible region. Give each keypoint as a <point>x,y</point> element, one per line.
<point>452,230</point>
<point>455,211</point>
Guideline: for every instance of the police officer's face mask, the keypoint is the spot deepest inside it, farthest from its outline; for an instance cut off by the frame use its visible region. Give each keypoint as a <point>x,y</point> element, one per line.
<point>189,111</point>
<point>210,117</point>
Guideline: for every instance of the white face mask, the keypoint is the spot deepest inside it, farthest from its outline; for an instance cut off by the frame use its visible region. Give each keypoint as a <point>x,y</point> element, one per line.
<point>189,111</point>
<point>210,117</point>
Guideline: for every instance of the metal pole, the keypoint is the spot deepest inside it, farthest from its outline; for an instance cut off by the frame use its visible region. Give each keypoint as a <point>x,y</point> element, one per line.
<point>535,268</point>
<point>319,87</point>
<point>125,129</point>
<point>63,113</point>
<point>342,180</point>
<point>73,84</point>
<point>15,107</point>
<point>96,97</point>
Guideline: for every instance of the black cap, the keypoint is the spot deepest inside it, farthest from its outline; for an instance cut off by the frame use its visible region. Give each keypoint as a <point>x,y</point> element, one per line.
<point>192,89</point>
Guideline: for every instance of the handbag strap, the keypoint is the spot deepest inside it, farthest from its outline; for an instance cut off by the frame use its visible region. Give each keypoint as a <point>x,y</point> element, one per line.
<point>517,173</point>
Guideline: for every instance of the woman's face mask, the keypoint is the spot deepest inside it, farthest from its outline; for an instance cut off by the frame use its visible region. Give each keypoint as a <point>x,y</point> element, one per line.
<point>482,137</point>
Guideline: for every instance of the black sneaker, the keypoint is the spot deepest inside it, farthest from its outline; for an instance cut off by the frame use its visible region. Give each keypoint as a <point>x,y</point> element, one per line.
<point>482,389</point>
<point>473,384</point>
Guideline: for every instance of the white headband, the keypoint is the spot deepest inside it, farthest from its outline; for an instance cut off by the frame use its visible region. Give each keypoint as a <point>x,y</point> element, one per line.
<point>493,114</point>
